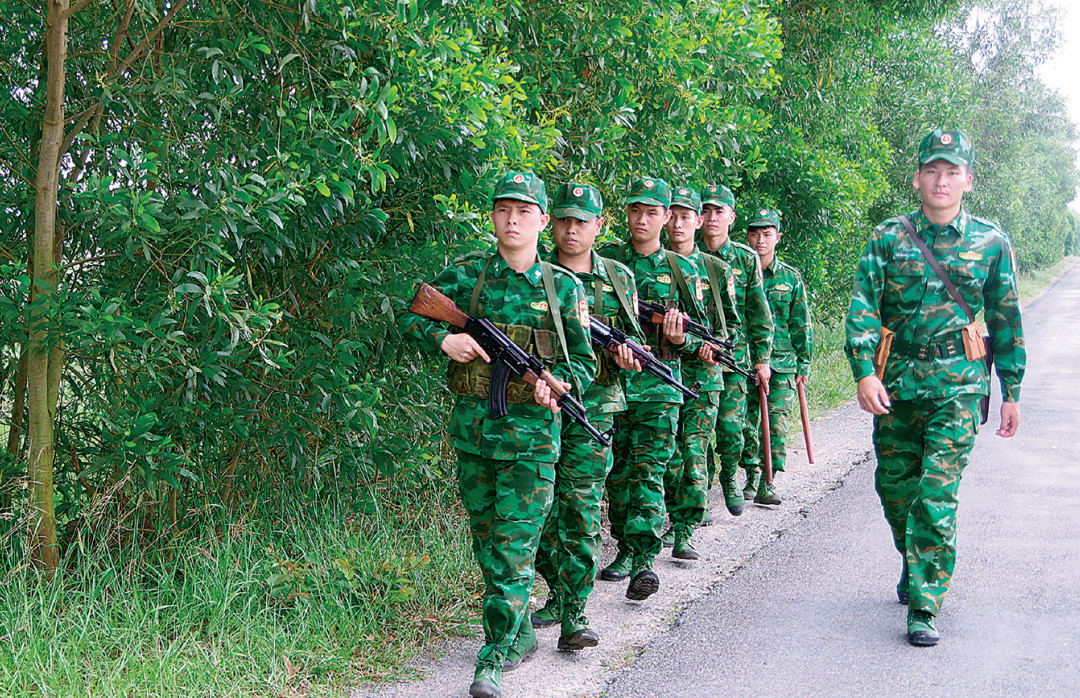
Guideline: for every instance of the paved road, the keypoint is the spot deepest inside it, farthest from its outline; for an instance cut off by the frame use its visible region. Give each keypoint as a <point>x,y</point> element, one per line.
<point>815,613</point>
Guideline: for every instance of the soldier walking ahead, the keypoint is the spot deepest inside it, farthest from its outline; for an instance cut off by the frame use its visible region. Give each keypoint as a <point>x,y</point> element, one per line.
<point>926,393</point>
<point>506,467</point>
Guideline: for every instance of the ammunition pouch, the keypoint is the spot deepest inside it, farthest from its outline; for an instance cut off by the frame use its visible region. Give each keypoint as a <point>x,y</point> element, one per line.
<point>474,378</point>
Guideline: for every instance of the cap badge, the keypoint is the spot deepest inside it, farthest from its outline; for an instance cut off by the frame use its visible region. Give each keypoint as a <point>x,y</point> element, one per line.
<point>946,139</point>
<point>712,189</point>
<point>518,179</point>
<point>683,192</point>
<point>764,212</point>
<point>649,183</point>
<point>578,191</point>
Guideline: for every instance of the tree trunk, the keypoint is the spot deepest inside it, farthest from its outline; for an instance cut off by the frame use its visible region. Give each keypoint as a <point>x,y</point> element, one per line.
<point>43,550</point>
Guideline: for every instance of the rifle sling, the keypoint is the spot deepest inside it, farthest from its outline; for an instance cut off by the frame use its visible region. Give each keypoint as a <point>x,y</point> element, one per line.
<point>936,266</point>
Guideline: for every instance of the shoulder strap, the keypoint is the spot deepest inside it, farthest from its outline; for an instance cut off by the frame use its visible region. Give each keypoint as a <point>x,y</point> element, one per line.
<point>474,301</point>
<point>680,279</point>
<point>936,266</point>
<point>556,316</point>
<point>621,293</point>
<point>714,288</point>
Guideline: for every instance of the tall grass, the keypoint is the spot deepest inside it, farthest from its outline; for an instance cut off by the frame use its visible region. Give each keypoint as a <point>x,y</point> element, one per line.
<point>302,603</point>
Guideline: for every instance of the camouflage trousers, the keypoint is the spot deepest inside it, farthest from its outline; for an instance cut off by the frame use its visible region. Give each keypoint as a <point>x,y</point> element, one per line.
<point>922,447</point>
<point>781,402</point>
<point>730,423</point>
<point>644,443</point>
<point>686,480</point>
<point>506,501</point>
<point>569,553</point>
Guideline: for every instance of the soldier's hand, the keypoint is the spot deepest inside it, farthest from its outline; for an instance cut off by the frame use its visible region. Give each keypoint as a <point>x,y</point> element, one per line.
<point>1010,419</point>
<point>707,353</point>
<point>624,358</point>
<point>872,395</point>
<point>463,348</point>
<point>545,396</point>
<point>764,373</point>
<point>801,380</point>
<point>674,326</point>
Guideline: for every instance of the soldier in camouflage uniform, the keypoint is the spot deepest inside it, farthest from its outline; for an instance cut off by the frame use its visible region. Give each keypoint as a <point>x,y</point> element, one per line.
<point>506,467</point>
<point>687,479</point>
<point>792,348</point>
<point>751,331</point>
<point>570,545</point>
<point>926,405</point>
<point>645,432</point>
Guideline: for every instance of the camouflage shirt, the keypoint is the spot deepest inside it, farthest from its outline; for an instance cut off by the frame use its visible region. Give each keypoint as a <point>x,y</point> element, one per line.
<point>754,320</point>
<point>719,319</point>
<point>653,276</point>
<point>515,298</point>
<point>897,288</point>
<point>606,395</point>
<point>793,333</point>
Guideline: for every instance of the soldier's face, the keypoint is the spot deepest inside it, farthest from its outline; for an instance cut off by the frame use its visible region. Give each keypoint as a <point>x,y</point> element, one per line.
<point>763,240</point>
<point>942,184</point>
<point>646,221</point>
<point>717,220</point>
<point>682,225</point>
<point>574,236</point>
<point>517,223</point>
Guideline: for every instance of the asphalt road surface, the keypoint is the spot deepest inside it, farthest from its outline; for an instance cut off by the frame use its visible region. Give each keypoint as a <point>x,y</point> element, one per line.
<point>814,613</point>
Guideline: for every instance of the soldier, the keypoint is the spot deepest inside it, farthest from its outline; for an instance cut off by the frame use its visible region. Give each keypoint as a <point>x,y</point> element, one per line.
<point>645,432</point>
<point>506,467</point>
<point>687,479</point>
<point>926,398</point>
<point>570,544</point>
<point>792,348</point>
<point>751,331</point>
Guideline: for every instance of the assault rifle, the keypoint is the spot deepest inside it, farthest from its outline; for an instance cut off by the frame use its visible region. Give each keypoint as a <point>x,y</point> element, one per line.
<point>653,313</point>
<point>609,338</point>
<point>506,356</point>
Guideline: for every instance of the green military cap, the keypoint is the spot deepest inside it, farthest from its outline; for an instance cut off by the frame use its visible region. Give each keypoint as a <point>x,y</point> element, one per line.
<point>523,186</point>
<point>765,218</point>
<point>951,146</point>
<point>649,190</point>
<point>718,195</point>
<point>687,198</point>
<point>581,201</point>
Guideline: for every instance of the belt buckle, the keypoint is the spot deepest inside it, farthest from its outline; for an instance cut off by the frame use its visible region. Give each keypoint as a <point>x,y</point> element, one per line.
<point>936,353</point>
<point>924,352</point>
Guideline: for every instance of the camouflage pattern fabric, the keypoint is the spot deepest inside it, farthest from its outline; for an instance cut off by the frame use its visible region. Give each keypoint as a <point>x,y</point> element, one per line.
<point>922,447</point>
<point>923,444</point>
<point>894,286</point>
<point>644,443</point>
<point>569,552</point>
<point>506,501</point>
<point>793,349</point>
<point>645,434</point>
<point>686,480</point>
<point>752,334</point>
<point>781,404</point>
<point>506,467</point>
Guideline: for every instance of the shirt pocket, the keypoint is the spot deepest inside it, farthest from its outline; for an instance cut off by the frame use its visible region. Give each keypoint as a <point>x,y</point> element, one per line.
<point>905,281</point>
<point>969,280</point>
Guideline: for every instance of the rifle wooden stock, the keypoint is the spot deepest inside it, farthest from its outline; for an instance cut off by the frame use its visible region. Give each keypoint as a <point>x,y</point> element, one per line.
<point>805,421</point>
<point>431,303</point>
<point>766,432</point>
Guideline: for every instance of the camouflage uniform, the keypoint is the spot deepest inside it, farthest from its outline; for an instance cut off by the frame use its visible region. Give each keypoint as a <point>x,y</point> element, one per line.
<point>792,348</point>
<point>686,480</point>
<point>923,443</point>
<point>645,433</point>
<point>570,545</point>
<point>506,467</point>
<point>752,333</point>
